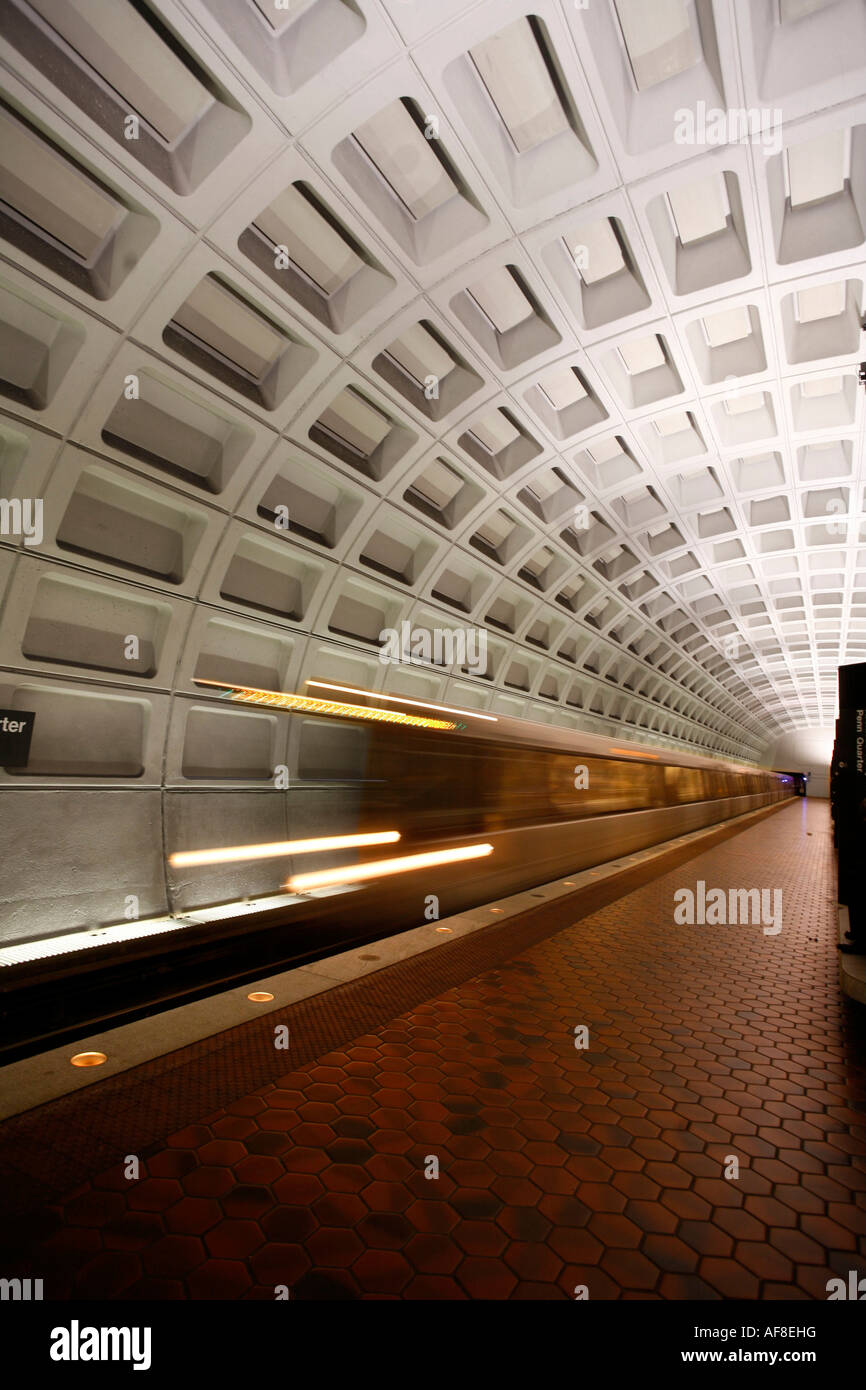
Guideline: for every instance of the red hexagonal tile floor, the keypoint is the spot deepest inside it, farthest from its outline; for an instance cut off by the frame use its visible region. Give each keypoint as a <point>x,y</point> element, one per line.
<point>707,1143</point>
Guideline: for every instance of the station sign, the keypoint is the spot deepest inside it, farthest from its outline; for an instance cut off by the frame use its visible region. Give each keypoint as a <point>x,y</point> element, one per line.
<point>16,731</point>
<point>849,796</point>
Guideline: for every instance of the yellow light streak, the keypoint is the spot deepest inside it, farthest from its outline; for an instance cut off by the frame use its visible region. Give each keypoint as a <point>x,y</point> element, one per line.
<point>236,854</point>
<point>633,753</point>
<point>399,700</point>
<point>383,868</point>
<point>308,704</point>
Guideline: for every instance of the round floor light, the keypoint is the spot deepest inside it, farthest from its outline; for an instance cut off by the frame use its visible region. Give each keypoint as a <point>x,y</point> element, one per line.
<point>260,996</point>
<point>88,1059</point>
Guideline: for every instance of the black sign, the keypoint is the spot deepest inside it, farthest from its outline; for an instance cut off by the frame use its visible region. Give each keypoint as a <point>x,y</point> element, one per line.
<point>16,731</point>
<point>848,797</point>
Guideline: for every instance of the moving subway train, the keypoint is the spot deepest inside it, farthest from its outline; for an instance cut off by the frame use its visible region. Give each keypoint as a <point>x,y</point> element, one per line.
<point>493,805</point>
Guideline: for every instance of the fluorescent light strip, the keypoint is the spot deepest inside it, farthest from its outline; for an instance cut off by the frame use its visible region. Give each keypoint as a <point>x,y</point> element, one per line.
<point>384,868</point>
<point>63,945</point>
<point>49,947</point>
<point>236,854</point>
<point>305,704</point>
<point>398,700</point>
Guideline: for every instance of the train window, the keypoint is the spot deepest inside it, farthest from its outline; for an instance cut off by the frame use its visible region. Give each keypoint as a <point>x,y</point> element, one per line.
<point>521,787</point>
<point>332,752</point>
<point>531,785</point>
<point>426,784</point>
<point>595,786</point>
<point>684,784</point>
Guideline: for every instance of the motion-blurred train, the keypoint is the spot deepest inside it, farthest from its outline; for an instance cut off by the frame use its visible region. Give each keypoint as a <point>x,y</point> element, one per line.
<point>549,801</point>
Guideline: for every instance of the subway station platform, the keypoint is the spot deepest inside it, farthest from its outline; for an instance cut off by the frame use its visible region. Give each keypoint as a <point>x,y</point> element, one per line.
<point>437,1130</point>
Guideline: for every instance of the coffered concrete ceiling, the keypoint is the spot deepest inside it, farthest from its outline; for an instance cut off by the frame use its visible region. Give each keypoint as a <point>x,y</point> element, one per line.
<point>323,316</point>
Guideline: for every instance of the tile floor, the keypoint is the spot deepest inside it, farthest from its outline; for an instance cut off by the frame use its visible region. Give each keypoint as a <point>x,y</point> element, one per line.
<point>559,1167</point>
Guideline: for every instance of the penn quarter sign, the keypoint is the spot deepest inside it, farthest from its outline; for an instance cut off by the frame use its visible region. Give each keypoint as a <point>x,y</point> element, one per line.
<point>16,731</point>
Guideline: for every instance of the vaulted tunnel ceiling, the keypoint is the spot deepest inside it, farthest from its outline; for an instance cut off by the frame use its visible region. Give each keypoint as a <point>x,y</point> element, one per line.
<point>323,316</point>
